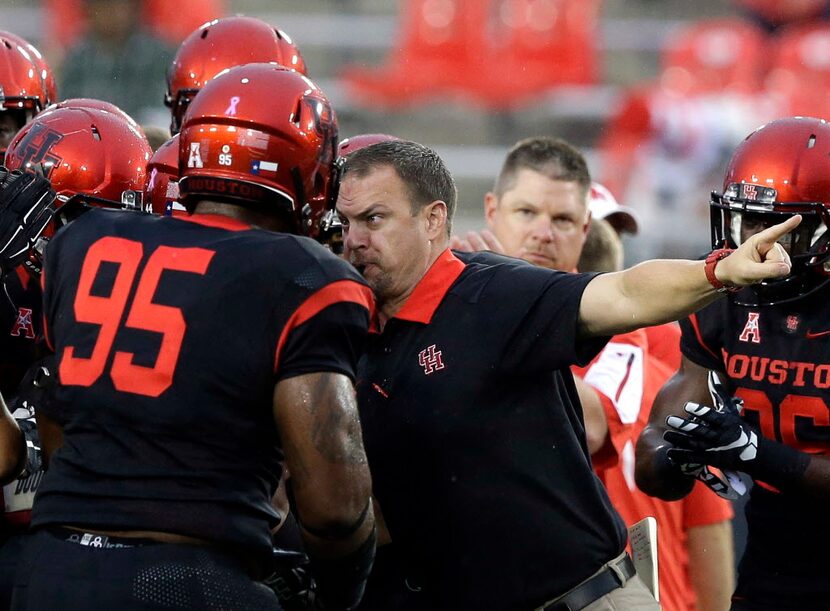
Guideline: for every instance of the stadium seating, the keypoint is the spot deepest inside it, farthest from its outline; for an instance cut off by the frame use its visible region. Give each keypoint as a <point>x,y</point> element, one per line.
<point>534,46</point>
<point>714,56</point>
<point>439,41</point>
<point>494,53</point>
<point>799,79</point>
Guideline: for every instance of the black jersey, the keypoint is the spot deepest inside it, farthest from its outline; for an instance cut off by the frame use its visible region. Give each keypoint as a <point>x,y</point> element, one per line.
<point>20,336</point>
<point>170,335</point>
<point>20,328</point>
<point>475,436</point>
<point>777,358</point>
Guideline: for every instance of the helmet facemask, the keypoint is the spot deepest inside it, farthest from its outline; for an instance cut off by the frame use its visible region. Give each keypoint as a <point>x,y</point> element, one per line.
<point>745,209</point>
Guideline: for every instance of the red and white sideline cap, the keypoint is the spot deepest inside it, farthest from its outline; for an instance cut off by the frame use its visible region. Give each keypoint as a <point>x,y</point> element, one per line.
<point>603,205</point>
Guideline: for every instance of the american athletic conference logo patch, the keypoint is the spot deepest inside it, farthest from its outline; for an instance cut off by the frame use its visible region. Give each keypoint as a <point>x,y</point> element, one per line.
<point>752,329</point>
<point>430,359</point>
<point>23,325</point>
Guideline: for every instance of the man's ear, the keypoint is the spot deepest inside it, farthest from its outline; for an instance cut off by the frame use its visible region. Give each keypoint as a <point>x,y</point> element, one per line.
<point>587,226</point>
<point>491,204</point>
<point>435,214</point>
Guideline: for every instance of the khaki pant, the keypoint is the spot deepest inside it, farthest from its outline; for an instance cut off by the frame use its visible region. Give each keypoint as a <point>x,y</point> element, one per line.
<point>633,596</point>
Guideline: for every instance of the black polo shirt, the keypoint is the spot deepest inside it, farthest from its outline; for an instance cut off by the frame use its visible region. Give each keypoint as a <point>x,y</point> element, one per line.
<point>476,439</point>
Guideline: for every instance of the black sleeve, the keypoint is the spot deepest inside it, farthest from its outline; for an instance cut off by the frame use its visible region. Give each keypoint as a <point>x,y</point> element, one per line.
<point>544,329</point>
<point>702,336</point>
<point>327,332</point>
<point>48,278</point>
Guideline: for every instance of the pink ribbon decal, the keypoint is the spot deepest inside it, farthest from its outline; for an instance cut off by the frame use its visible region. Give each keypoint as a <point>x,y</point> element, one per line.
<point>230,111</point>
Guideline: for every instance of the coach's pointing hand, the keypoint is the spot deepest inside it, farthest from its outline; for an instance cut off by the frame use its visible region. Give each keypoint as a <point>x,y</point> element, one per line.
<point>761,257</point>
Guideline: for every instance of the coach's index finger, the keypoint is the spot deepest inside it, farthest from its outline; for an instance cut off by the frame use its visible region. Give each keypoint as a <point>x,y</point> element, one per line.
<point>765,241</point>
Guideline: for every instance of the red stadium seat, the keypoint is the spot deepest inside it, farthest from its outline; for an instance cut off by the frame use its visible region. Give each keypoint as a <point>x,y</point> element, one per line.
<point>800,74</point>
<point>536,45</point>
<point>494,52</point>
<point>65,22</point>
<point>439,41</point>
<point>173,21</point>
<point>712,56</point>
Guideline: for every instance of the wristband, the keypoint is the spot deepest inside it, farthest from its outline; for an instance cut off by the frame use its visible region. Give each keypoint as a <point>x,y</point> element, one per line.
<point>341,581</point>
<point>711,263</point>
<point>777,464</point>
<point>674,484</point>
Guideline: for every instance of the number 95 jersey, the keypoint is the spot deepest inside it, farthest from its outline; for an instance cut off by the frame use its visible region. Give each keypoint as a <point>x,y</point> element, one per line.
<point>777,358</point>
<point>170,335</point>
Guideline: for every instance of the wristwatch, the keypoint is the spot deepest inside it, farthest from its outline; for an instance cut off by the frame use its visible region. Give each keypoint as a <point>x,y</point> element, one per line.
<point>711,262</point>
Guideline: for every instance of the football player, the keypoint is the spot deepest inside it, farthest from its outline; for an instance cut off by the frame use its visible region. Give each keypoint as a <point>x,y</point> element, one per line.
<point>27,86</point>
<point>161,189</point>
<point>768,345</point>
<point>92,157</point>
<point>194,355</point>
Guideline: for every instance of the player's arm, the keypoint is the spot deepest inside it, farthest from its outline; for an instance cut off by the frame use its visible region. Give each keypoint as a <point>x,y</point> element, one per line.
<point>660,291</point>
<point>593,413</point>
<point>721,438</point>
<point>51,436</point>
<point>711,565</point>
<point>655,474</point>
<point>13,455</point>
<point>316,415</point>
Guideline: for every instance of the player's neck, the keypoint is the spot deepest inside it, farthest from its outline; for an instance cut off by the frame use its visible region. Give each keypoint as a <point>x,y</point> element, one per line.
<point>241,213</point>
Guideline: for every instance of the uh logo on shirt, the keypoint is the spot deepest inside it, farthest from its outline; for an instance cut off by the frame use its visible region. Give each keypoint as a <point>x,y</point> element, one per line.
<point>431,359</point>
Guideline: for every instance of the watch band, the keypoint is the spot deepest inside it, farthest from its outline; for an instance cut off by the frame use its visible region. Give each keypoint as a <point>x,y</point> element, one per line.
<point>711,262</point>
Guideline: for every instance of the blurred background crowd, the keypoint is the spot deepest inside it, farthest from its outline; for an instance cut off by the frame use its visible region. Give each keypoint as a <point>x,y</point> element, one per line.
<point>657,93</point>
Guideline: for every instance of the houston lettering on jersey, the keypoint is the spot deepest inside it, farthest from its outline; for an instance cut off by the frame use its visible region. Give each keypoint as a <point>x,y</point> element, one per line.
<point>798,374</point>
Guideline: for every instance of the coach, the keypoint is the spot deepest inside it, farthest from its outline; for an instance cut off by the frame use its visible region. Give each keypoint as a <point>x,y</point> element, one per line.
<point>471,422</point>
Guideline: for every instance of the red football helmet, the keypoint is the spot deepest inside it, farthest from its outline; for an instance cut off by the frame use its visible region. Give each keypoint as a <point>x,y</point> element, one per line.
<point>25,77</point>
<point>217,46</point>
<point>98,105</point>
<point>89,155</point>
<point>23,91</point>
<point>781,169</point>
<point>262,135</point>
<point>161,190</point>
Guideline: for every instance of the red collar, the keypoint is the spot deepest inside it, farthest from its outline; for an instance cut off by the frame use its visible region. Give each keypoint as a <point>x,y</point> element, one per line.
<point>430,290</point>
<point>215,220</point>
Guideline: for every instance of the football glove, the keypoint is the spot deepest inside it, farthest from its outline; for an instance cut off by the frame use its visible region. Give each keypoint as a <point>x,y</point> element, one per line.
<point>722,439</point>
<point>37,388</point>
<point>26,207</point>
<point>710,437</point>
<point>728,487</point>
<point>291,580</point>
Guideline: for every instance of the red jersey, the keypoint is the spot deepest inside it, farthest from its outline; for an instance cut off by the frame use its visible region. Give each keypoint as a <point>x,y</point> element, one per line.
<point>627,374</point>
